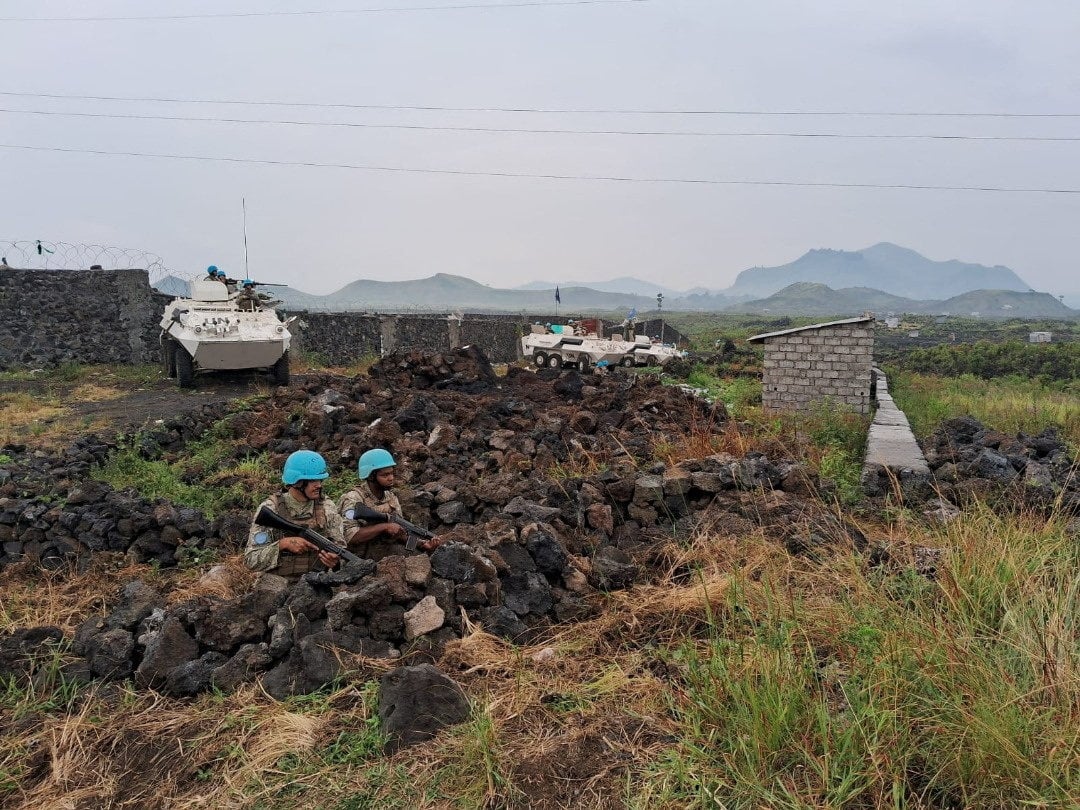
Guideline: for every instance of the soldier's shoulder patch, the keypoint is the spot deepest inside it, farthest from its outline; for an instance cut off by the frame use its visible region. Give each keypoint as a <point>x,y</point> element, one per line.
<point>350,514</point>
<point>262,538</point>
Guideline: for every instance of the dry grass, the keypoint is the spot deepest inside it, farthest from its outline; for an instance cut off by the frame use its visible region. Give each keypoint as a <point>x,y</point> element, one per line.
<point>616,710</point>
<point>26,417</point>
<point>33,597</point>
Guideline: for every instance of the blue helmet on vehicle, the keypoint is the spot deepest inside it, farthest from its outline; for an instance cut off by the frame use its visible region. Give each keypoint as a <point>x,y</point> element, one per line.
<point>373,460</point>
<point>212,270</point>
<point>304,465</point>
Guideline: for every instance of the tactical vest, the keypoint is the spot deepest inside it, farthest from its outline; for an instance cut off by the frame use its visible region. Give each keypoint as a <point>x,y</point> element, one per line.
<point>294,566</point>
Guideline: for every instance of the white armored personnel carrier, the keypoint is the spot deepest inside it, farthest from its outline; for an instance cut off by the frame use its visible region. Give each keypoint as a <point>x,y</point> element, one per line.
<point>219,329</point>
<point>554,346</point>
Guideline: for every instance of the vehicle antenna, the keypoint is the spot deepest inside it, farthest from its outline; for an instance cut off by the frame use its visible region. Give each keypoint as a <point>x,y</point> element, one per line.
<point>243,205</point>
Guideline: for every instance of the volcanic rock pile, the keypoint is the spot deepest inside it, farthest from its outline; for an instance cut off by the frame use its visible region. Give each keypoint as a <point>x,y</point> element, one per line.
<point>971,461</point>
<point>544,485</point>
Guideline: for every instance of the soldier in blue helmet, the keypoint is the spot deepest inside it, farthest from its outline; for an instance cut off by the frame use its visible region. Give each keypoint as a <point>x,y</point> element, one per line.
<point>301,501</point>
<point>212,273</point>
<point>375,490</point>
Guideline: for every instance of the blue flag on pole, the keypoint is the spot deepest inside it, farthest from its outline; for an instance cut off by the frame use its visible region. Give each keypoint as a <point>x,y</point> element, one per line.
<point>558,300</point>
<point>631,314</point>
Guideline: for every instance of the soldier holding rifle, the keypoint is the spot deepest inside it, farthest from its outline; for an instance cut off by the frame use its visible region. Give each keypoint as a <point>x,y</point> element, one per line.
<point>302,502</point>
<point>379,539</point>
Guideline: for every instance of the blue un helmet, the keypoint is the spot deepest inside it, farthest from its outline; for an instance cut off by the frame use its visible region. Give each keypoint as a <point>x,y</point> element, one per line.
<point>212,270</point>
<point>304,465</point>
<point>373,460</point>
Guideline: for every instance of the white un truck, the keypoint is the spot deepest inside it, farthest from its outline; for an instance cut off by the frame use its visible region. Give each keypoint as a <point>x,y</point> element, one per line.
<point>555,346</point>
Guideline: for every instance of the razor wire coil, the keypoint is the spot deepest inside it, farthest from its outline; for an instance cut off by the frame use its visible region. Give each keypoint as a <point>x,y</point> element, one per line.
<point>41,254</point>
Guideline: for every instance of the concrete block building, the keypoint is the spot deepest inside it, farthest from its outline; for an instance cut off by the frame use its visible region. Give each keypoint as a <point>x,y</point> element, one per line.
<point>822,363</point>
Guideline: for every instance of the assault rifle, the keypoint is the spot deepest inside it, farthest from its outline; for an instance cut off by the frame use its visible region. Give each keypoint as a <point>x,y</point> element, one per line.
<point>362,512</point>
<point>270,519</point>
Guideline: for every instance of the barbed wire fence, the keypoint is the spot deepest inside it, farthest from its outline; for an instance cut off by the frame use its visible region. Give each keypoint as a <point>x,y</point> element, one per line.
<point>41,254</point>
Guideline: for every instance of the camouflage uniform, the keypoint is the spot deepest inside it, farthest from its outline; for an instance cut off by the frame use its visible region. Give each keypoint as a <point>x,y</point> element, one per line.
<point>247,300</point>
<point>388,504</point>
<point>262,552</point>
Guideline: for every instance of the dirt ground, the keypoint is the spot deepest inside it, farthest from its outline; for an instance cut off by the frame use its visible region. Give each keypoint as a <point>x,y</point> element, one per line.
<point>108,405</point>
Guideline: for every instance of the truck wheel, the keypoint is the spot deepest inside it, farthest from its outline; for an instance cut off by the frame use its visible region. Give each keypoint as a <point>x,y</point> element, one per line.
<point>627,361</point>
<point>168,349</point>
<point>185,368</point>
<point>554,361</point>
<point>280,370</point>
<point>583,362</point>
<point>653,362</point>
<point>539,359</point>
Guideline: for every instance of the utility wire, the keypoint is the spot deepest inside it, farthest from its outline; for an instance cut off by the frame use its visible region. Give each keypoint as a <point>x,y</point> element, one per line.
<point>324,12</point>
<point>547,110</point>
<point>537,176</point>
<point>539,131</point>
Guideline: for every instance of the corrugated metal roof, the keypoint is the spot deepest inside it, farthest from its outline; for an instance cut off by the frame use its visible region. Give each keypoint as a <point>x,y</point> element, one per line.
<point>761,338</point>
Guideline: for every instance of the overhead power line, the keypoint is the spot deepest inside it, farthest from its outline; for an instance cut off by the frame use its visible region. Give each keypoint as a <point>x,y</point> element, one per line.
<point>324,12</point>
<point>546,110</point>
<point>541,176</point>
<point>538,131</point>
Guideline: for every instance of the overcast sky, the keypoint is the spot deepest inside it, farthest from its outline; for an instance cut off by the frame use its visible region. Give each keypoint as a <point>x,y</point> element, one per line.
<point>320,228</point>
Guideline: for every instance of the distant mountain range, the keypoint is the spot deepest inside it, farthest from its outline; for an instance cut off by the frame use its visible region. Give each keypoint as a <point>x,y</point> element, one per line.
<point>804,298</point>
<point>881,278</point>
<point>623,284</point>
<point>886,267</point>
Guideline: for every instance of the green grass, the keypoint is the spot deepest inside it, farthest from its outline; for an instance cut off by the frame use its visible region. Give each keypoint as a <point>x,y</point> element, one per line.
<point>1007,404</point>
<point>737,394</point>
<point>213,474</point>
<point>77,372</point>
<point>964,693</point>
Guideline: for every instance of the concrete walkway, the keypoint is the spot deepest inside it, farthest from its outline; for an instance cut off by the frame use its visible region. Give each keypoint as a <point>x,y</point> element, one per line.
<point>892,454</point>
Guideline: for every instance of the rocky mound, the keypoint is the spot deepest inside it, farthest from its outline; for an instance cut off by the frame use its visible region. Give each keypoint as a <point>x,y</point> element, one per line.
<point>544,485</point>
<point>970,461</point>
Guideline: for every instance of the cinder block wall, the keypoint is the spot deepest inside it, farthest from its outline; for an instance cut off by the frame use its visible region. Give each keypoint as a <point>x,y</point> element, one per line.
<point>816,365</point>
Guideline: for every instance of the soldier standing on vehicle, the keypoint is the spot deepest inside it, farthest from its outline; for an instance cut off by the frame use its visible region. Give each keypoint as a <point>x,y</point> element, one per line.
<point>212,274</point>
<point>301,501</point>
<point>377,540</point>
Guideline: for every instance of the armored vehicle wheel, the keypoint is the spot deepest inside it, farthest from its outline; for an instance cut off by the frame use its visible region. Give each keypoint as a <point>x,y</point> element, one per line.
<point>280,370</point>
<point>185,368</point>
<point>554,361</point>
<point>583,362</point>
<point>539,359</point>
<point>168,349</point>
<point>627,361</point>
<point>654,362</point>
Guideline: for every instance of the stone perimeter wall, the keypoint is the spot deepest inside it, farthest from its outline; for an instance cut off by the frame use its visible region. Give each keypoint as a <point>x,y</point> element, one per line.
<point>50,317</point>
<point>813,365</point>
<point>341,338</point>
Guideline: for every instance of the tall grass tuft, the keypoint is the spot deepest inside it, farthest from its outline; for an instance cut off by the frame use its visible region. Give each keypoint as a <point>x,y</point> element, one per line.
<point>1009,404</point>
<point>960,692</point>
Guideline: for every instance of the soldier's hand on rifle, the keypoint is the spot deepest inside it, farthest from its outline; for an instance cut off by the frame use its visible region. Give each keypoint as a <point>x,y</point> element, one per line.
<point>296,545</point>
<point>328,559</point>
<point>395,532</point>
<point>432,544</point>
